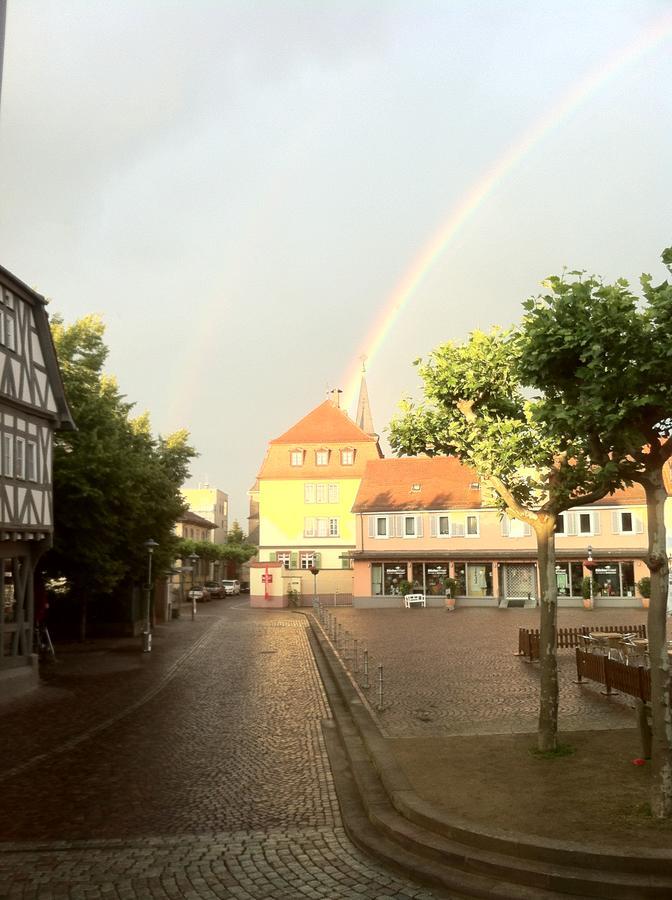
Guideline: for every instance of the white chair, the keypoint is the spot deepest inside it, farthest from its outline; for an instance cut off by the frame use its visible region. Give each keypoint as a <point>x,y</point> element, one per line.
<point>414,600</point>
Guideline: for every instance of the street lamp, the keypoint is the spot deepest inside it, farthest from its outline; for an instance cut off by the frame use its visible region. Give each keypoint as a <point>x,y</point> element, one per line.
<point>193,559</point>
<point>315,572</point>
<point>590,565</point>
<point>147,633</point>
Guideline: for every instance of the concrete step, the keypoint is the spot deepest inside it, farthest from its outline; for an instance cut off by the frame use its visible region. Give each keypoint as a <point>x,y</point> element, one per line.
<point>475,864</point>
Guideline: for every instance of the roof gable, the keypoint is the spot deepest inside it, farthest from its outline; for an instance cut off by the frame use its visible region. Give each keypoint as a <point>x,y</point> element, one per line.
<point>326,424</point>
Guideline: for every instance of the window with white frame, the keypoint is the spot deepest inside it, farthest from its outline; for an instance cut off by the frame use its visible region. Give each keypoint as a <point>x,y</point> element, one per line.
<point>20,457</point>
<point>624,521</point>
<point>307,559</point>
<point>8,455</point>
<point>284,557</point>
<point>515,528</point>
<point>321,457</point>
<point>579,522</point>
<point>31,461</point>
<point>347,457</point>
<point>296,457</point>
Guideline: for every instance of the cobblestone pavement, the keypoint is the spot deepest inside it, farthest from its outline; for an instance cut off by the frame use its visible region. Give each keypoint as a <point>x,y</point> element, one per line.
<point>450,673</point>
<point>196,771</point>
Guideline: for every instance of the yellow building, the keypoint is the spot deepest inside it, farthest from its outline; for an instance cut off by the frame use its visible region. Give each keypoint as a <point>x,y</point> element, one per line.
<point>305,492</point>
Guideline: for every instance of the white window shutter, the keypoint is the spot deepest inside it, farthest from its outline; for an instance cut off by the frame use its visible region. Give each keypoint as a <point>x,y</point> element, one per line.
<point>433,526</point>
<point>419,526</point>
<point>595,522</point>
<point>372,526</point>
<point>505,526</point>
<point>571,523</point>
<point>616,521</point>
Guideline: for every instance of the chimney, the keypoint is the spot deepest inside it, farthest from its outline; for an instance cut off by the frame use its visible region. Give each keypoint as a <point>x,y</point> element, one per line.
<point>336,397</point>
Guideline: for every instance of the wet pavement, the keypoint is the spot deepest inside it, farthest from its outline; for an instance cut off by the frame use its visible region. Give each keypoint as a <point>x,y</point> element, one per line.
<point>196,771</point>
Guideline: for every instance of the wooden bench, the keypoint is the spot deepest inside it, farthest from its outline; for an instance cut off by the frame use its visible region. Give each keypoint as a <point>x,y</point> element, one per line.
<point>414,600</point>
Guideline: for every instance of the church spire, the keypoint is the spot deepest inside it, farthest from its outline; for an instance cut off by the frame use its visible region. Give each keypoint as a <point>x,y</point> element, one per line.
<point>364,418</point>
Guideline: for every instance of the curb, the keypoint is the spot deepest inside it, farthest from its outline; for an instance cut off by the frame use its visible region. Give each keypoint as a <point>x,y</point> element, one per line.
<point>452,853</point>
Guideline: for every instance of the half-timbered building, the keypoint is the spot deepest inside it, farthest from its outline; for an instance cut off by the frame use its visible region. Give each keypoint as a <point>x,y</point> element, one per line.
<point>32,407</point>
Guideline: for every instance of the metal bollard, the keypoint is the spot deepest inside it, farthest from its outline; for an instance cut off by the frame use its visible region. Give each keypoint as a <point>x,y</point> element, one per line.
<point>380,685</point>
<point>366,669</point>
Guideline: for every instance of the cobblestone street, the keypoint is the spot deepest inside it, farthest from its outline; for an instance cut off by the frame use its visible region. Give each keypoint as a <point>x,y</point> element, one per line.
<point>452,673</point>
<point>196,771</point>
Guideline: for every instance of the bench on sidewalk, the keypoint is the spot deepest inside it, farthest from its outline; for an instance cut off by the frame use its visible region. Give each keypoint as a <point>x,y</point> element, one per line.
<point>414,600</point>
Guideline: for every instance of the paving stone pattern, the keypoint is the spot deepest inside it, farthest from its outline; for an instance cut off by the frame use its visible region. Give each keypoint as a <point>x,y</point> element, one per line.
<point>459,675</point>
<point>196,771</point>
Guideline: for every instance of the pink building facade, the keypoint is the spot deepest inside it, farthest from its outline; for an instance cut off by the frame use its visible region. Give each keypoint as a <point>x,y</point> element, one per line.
<point>426,525</point>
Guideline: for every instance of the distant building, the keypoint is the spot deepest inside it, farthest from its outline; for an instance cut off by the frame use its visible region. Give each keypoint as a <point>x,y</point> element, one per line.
<point>422,522</point>
<point>304,495</point>
<point>32,407</point>
<point>213,505</point>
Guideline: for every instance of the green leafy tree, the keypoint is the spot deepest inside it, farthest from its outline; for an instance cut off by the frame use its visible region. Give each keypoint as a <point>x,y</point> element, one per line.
<point>601,358</point>
<point>115,486</point>
<point>475,409</point>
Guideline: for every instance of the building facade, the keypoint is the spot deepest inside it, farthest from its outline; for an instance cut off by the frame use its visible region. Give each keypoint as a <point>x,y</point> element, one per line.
<point>32,407</point>
<point>423,521</point>
<point>304,494</point>
<point>211,504</point>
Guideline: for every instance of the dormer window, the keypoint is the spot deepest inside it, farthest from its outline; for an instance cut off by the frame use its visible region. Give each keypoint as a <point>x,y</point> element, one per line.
<point>322,457</point>
<point>347,456</point>
<point>296,457</point>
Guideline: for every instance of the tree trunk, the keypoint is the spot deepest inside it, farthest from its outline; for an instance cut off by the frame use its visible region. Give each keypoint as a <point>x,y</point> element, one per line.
<point>661,723</point>
<point>547,738</point>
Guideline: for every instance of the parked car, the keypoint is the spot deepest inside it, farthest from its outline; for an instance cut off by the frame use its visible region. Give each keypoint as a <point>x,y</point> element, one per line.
<point>231,586</point>
<point>197,592</point>
<point>216,591</point>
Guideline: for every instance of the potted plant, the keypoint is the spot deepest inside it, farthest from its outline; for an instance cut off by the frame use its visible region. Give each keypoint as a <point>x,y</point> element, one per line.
<point>450,586</point>
<point>586,592</point>
<point>644,588</point>
<point>405,587</point>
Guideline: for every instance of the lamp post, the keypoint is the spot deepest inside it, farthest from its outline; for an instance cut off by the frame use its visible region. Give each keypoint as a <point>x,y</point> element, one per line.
<point>315,572</point>
<point>590,565</point>
<point>193,559</point>
<point>147,633</point>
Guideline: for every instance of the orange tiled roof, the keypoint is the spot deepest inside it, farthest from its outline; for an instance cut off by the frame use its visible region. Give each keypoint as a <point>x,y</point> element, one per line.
<point>325,424</point>
<point>444,483</point>
<point>417,482</point>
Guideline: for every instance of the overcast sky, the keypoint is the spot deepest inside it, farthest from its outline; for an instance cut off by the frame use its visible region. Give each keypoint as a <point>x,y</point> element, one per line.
<point>239,187</point>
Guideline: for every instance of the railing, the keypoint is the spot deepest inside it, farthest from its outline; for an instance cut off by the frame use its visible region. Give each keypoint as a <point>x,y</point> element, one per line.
<point>365,670</point>
<point>614,675</point>
<point>569,638</point>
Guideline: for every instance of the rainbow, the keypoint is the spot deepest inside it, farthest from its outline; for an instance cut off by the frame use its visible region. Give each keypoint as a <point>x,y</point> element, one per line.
<point>646,41</point>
